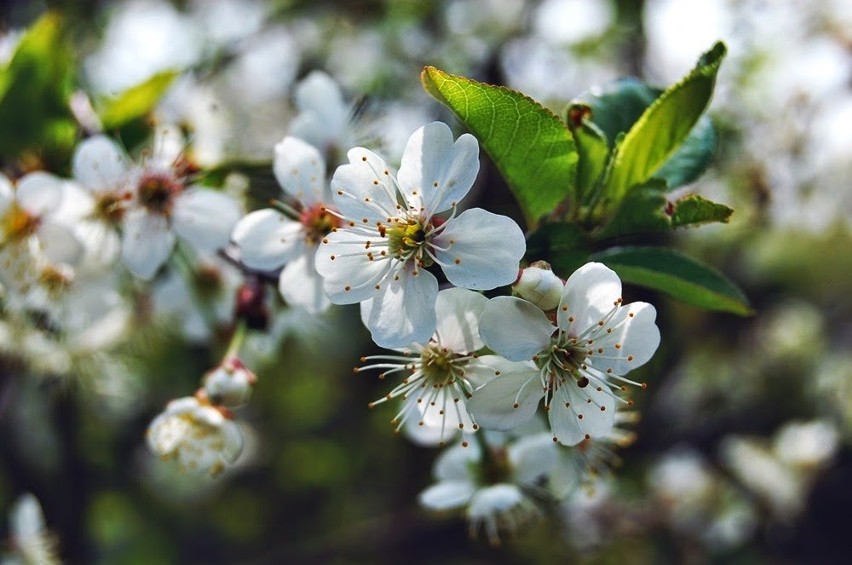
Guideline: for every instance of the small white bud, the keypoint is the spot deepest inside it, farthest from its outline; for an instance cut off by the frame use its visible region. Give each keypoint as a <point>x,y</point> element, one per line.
<point>230,383</point>
<point>539,285</point>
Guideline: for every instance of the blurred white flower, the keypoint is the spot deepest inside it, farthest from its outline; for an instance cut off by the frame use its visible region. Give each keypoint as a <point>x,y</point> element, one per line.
<point>270,240</point>
<point>29,538</point>
<point>576,366</point>
<point>392,233</point>
<point>151,201</point>
<point>203,439</point>
<point>142,38</point>
<point>36,251</point>
<point>198,299</point>
<point>324,119</point>
<point>781,472</point>
<point>499,491</point>
<point>572,21</point>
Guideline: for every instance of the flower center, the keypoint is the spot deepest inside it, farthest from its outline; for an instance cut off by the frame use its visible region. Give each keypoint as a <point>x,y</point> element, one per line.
<point>561,360</point>
<point>157,192</point>
<point>406,239</point>
<point>54,280</point>
<point>110,207</point>
<point>438,365</point>
<point>318,222</point>
<point>17,223</point>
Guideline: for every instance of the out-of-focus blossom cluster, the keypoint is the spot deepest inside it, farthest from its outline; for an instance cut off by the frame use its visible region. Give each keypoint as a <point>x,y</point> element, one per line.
<point>295,166</point>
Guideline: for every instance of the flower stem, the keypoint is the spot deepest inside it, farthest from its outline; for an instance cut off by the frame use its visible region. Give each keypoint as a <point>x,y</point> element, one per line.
<point>237,339</point>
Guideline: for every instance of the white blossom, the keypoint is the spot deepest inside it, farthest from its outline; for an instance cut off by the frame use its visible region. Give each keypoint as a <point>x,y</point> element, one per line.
<point>499,490</point>
<point>152,202</point>
<point>37,252</point>
<point>324,119</point>
<point>202,438</point>
<point>269,239</point>
<point>440,374</point>
<point>576,367</point>
<point>31,542</point>
<point>392,233</point>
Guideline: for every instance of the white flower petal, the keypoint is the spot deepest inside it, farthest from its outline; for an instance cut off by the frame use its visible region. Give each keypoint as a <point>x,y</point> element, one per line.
<point>480,250</point>
<point>443,410</point>
<point>301,285</point>
<point>507,401</point>
<point>232,441</point>
<point>487,367</point>
<point>436,172</point>
<point>447,495</point>
<point>458,312</point>
<point>147,243</point>
<point>39,193</point>
<point>59,244</point>
<point>6,192</point>
<point>533,458</point>
<point>403,311</point>
<point>267,239</point>
<point>349,270</point>
<point>633,341</point>
<point>577,414</point>
<point>422,435</point>
<point>205,218</point>
<point>590,293</point>
<point>514,328</point>
<point>300,170</point>
<point>456,463</point>
<point>100,165</point>
<point>167,147</point>
<point>364,188</point>
<point>323,113</point>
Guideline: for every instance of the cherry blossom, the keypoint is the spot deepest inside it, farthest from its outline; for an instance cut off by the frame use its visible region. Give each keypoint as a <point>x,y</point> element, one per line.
<point>153,203</point>
<point>576,367</point>
<point>392,233</point>
<point>269,239</point>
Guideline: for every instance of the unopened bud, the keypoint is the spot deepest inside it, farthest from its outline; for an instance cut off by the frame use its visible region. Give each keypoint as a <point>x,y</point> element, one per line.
<point>251,304</point>
<point>539,285</point>
<point>230,383</point>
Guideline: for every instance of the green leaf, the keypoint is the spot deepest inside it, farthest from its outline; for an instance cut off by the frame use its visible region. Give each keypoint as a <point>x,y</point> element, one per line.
<point>592,149</point>
<point>678,275</point>
<point>135,102</point>
<point>531,146</point>
<point>563,245</point>
<point>694,210</point>
<point>643,210</point>
<point>664,126</point>
<point>34,91</point>
<point>693,157</point>
<point>618,105</point>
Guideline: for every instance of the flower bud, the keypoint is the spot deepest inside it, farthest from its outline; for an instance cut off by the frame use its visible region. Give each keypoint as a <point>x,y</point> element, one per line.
<point>539,285</point>
<point>230,383</point>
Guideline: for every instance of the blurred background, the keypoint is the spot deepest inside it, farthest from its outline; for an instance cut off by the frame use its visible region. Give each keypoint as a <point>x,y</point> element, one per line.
<point>743,450</point>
